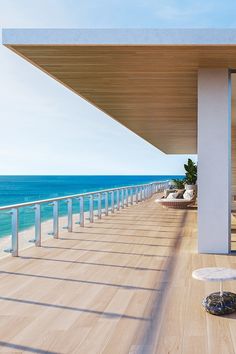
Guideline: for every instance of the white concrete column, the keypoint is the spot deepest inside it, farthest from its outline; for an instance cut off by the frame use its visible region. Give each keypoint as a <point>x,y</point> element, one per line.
<point>214,160</point>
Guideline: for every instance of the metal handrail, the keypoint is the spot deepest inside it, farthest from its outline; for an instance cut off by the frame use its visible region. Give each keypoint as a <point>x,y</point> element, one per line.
<point>124,197</point>
<point>50,200</point>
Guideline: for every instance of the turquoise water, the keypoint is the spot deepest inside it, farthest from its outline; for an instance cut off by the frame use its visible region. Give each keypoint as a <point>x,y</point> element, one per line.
<point>20,189</point>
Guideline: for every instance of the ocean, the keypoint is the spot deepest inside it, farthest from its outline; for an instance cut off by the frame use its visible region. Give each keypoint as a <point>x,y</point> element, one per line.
<point>20,189</point>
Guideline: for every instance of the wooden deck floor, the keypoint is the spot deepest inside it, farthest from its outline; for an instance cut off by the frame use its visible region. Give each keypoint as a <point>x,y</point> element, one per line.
<point>121,285</point>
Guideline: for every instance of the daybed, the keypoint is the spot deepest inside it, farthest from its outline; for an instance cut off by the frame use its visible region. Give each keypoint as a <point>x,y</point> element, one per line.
<point>178,203</point>
<point>175,203</point>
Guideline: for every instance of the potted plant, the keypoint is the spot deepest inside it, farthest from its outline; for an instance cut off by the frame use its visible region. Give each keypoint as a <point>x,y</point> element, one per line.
<point>190,175</point>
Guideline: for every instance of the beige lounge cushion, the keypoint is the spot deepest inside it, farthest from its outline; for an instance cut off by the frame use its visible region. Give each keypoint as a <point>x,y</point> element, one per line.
<point>180,193</point>
<point>172,195</point>
<point>168,191</point>
<point>188,194</point>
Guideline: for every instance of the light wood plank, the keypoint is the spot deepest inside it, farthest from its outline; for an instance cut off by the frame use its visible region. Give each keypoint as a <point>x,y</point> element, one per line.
<point>120,285</point>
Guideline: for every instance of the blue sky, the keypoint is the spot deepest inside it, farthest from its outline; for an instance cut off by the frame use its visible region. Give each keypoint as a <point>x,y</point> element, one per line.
<point>45,128</point>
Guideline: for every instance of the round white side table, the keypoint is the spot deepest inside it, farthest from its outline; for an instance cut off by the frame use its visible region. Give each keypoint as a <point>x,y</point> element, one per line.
<point>222,302</point>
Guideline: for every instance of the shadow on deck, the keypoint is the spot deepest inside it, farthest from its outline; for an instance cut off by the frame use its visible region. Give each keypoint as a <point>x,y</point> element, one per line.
<point>120,285</point>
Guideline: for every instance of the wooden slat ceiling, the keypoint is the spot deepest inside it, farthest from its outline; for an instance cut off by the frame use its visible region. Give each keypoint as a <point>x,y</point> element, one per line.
<point>233,106</point>
<point>152,90</point>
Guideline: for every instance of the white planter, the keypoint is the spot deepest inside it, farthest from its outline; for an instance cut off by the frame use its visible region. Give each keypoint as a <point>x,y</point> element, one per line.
<point>191,187</point>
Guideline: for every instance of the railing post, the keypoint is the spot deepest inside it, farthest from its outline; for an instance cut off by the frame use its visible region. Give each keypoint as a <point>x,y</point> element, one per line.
<point>14,230</point>
<point>99,206</point>
<point>37,209</point>
<point>136,196</point>
<point>70,214</point>
<point>127,197</point>
<point>81,211</point>
<point>122,198</point>
<point>154,188</point>
<point>118,199</point>
<point>55,219</point>
<point>112,202</point>
<point>131,196</point>
<point>91,208</point>
<point>106,204</point>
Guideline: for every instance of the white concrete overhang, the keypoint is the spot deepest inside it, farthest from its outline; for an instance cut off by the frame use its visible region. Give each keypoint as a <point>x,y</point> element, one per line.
<point>146,79</point>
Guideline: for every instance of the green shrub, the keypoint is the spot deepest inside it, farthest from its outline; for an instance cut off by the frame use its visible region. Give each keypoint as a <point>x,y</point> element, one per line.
<point>179,183</point>
<point>191,172</point>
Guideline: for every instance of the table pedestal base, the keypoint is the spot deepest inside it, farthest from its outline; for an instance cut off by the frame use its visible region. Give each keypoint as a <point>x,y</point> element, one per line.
<point>220,303</point>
